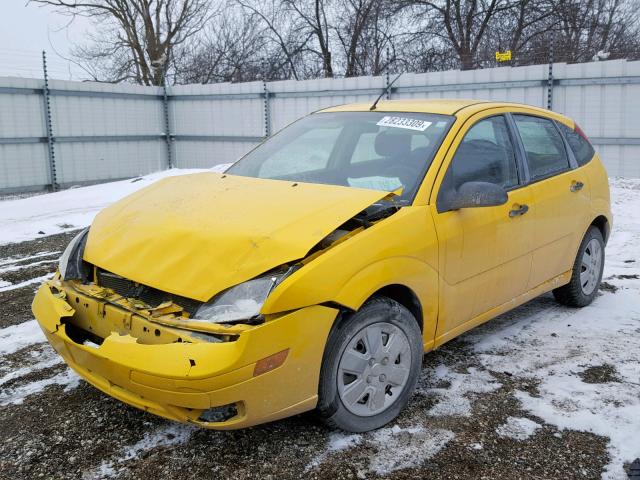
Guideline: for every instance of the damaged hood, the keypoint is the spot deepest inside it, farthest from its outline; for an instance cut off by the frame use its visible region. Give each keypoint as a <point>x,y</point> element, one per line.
<point>196,235</point>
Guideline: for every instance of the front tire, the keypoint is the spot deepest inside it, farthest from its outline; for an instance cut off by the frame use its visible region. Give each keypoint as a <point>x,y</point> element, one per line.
<point>586,274</point>
<point>371,366</point>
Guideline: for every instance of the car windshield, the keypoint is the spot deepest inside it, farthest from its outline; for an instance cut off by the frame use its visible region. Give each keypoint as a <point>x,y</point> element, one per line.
<point>375,150</point>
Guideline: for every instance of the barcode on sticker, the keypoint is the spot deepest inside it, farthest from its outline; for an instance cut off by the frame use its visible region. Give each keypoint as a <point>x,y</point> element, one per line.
<point>404,122</point>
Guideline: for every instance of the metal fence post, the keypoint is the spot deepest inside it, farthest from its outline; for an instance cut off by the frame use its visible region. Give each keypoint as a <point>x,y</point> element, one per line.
<point>267,111</point>
<point>550,74</point>
<point>49,126</point>
<point>167,122</point>
<point>387,76</point>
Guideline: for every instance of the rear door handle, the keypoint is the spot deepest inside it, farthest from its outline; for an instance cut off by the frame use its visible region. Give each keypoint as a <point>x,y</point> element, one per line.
<point>519,211</point>
<point>576,186</point>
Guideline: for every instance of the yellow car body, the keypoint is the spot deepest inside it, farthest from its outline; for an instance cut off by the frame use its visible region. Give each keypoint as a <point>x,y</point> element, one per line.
<point>453,270</point>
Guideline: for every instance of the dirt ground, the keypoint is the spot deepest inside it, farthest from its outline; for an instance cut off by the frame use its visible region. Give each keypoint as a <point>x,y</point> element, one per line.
<point>68,429</point>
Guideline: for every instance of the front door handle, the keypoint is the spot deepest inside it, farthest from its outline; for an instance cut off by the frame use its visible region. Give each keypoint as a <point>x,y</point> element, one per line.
<point>519,211</point>
<point>576,186</point>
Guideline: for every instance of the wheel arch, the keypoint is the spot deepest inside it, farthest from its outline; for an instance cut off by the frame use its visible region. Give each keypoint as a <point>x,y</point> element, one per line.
<point>602,223</point>
<point>406,297</point>
<point>397,292</point>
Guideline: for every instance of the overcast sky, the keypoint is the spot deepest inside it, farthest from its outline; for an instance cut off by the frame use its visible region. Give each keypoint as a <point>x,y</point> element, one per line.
<point>26,30</point>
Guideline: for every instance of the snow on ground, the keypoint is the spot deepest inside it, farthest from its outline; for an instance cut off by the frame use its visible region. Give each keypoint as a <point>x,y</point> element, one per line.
<point>32,281</point>
<point>39,360</point>
<point>14,268</point>
<point>25,218</point>
<point>557,347</point>
<point>396,447</point>
<point>19,336</point>
<point>561,347</point>
<point>168,436</point>
<point>453,399</point>
<point>338,442</point>
<point>518,428</point>
<point>10,261</point>
<point>15,396</point>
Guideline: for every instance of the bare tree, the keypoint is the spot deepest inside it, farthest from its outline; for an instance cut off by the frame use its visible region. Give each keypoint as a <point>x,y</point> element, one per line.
<point>234,48</point>
<point>313,15</point>
<point>462,23</point>
<point>208,41</point>
<point>365,30</point>
<point>282,30</point>
<point>135,39</point>
<point>302,30</point>
<point>516,29</point>
<point>588,27</point>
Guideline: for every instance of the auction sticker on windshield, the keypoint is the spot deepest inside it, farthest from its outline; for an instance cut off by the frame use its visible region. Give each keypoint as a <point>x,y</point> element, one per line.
<point>404,122</point>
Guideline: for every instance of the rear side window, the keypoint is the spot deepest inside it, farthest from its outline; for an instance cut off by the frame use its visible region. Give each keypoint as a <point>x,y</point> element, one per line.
<point>543,145</point>
<point>580,146</point>
<point>485,154</point>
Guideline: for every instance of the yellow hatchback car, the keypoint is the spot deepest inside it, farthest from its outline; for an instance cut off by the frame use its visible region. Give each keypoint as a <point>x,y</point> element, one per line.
<point>317,269</point>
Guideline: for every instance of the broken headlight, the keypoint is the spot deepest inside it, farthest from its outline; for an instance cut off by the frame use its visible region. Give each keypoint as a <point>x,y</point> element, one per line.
<point>70,265</point>
<point>242,302</point>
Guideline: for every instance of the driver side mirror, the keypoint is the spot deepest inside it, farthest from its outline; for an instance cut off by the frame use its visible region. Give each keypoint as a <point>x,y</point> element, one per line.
<point>475,194</point>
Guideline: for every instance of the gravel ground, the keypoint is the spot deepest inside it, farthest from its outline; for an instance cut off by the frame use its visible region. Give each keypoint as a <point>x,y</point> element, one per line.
<point>56,426</point>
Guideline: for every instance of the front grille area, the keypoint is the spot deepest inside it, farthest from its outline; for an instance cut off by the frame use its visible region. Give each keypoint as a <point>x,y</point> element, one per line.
<point>148,295</point>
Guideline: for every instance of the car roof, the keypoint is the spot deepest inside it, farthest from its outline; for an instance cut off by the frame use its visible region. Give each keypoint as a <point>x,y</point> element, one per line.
<point>443,106</point>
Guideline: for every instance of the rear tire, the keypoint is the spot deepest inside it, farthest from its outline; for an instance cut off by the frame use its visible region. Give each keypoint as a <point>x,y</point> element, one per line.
<point>586,273</point>
<point>370,367</point>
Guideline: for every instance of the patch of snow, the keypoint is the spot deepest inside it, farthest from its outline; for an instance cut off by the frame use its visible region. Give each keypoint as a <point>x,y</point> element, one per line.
<point>12,260</point>
<point>400,448</point>
<point>343,441</point>
<point>16,337</point>
<point>518,428</point>
<point>4,283</point>
<point>338,441</point>
<point>46,359</point>
<point>15,396</point>
<point>23,219</point>
<point>26,283</point>
<point>396,447</point>
<point>13,268</point>
<point>454,399</point>
<point>172,435</point>
<point>554,345</point>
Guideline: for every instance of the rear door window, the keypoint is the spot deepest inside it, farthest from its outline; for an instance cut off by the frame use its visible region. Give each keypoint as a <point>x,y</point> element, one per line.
<point>543,146</point>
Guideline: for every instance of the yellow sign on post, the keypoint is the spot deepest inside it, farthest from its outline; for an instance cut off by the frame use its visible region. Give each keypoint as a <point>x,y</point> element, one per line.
<point>503,56</point>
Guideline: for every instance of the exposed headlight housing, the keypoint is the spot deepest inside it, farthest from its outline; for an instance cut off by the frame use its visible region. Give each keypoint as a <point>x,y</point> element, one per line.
<point>70,265</point>
<point>240,303</point>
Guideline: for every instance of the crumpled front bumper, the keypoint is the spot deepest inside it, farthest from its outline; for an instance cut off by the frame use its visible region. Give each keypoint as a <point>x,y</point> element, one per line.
<point>182,379</point>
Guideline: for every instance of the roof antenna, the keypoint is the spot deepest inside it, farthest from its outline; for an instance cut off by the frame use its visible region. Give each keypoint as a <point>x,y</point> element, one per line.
<point>373,107</point>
